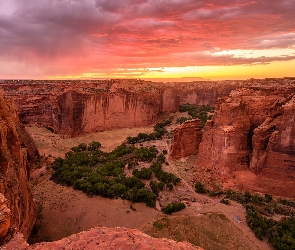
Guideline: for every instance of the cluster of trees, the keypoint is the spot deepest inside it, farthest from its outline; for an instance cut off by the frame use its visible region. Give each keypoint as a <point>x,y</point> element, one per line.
<point>259,210</point>
<point>196,111</point>
<point>159,131</point>
<point>87,168</point>
<point>281,234</point>
<point>173,207</point>
<point>168,179</point>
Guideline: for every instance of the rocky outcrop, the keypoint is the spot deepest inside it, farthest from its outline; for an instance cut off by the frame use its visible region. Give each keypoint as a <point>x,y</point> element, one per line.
<point>186,139</point>
<point>18,209</point>
<point>105,238</point>
<point>253,130</point>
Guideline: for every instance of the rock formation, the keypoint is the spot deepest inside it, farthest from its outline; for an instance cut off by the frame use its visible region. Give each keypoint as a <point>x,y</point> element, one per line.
<point>74,107</point>
<point>207,92</point>
<point>186,139</point>
<point>105,238</point>
<point>79,113</point>
<point>253,130</point>
<point>18,209</point>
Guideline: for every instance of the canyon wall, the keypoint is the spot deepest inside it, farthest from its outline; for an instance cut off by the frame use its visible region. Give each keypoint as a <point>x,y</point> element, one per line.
<point>207,92</point>
<point>252,131</point>
<point>17,152</point>
<point>76,107</point>
<point>78,112</point>
<point>186,139</point>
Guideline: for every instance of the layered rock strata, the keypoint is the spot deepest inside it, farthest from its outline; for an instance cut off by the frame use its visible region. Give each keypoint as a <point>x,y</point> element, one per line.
<point>17,151</point>
<point>74,107</point>
<point>186,139</point>
<point>253,130</point>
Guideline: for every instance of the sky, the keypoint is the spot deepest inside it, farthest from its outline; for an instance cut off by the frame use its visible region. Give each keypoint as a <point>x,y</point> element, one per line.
<point>147,39</point>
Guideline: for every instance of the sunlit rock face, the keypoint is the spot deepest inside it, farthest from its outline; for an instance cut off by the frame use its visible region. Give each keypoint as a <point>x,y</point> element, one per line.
<point>186,139</point>
<point>17,152</point>
<point>252,130</point>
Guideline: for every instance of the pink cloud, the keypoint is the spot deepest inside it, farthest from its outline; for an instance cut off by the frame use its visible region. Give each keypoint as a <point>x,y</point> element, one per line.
<point>72,37</point>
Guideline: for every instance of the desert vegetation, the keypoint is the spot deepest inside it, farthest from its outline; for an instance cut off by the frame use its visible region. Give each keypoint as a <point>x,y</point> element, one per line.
<point>262,213</point>
<point>87,168</point>
<point>159,131</point>
<point>173,207</point>
<point>196,111</point>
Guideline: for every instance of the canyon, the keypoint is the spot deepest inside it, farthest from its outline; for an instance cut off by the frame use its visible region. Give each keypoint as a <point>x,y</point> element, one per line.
<point>18,209</point>
<point>76,107</point>
<point>248,145</point>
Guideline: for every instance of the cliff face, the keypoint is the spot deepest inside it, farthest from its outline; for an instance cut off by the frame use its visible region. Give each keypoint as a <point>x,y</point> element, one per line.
<point>186,139</point>
<point>84,106</point>
<point>16,202</point>
<point>78,113</point>
<point>253,130</point>
<point>274,145</point>
<point>207,92</point>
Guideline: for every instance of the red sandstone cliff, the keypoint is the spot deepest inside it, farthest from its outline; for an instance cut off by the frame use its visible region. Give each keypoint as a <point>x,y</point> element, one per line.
<point>73,107</point>
<point>18,210</point>
<point>76,107</point>
<point>186,139</point>
<point>78,112</point>
<point>253,130</point>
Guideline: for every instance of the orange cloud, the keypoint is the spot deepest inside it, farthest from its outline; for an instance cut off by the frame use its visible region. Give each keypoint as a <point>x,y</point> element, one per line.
<point>44,38</point>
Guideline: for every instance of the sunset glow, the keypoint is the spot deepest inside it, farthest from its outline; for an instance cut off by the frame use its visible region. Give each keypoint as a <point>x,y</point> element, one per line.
<point>148,39</point>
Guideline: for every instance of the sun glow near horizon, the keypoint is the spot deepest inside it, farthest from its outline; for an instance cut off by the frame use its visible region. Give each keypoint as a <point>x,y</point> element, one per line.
<point>232,72</point>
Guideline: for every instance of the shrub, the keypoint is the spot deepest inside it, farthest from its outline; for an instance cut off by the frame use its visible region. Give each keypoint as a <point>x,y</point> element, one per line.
<point>161,158</point>
<point>173,207</point>
<point>156,187</point>
<point>82,146</point>
<point>93,146</point>
<point>144,173</point>
<point>200,188</point>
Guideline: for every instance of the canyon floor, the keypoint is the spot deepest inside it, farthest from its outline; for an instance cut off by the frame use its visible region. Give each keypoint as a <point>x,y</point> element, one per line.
<point>63,211</point>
